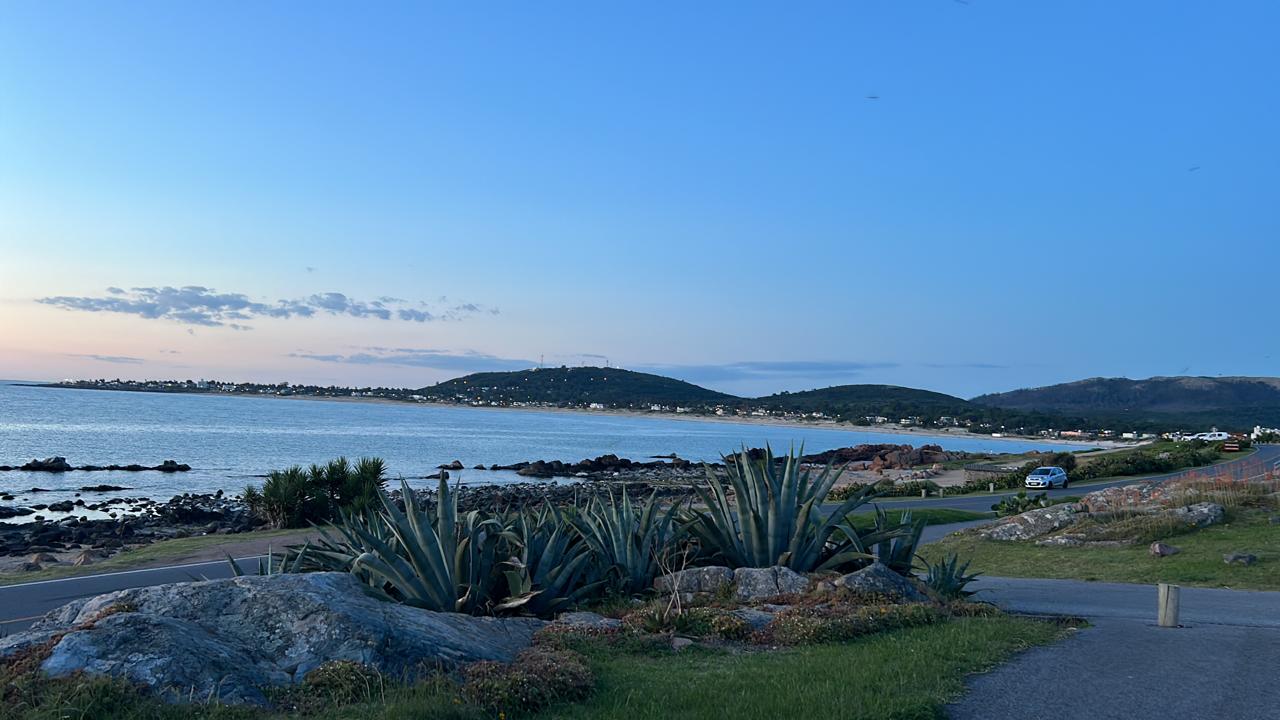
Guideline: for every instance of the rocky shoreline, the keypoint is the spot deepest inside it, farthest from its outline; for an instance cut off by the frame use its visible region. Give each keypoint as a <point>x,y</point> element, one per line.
<point>135,521</point>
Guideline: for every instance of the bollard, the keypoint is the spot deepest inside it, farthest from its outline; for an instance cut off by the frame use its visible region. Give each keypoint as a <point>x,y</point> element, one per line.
<point>991,487</point>
<point>1167,605</point>
<point>921,492</point>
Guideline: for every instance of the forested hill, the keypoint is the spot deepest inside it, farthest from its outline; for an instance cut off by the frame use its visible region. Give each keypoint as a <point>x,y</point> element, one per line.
<point>611,387</point>
<point>1226,401</point>
<point>887,400</point>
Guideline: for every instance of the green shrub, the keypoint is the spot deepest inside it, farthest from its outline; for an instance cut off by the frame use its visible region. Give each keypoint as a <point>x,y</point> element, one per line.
<point>1020,503</point>
<point>294,497</point>
<point>538,678</point>
<point>712,622</point>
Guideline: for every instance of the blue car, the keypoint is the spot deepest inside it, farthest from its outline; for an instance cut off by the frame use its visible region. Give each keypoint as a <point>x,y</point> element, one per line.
<point>1044,478</point>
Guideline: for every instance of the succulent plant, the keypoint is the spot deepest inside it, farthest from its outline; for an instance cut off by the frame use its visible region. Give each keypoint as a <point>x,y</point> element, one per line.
<point>766,515</point>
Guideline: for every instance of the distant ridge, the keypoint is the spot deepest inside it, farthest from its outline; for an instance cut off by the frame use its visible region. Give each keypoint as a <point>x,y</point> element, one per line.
<point>1222,400</point>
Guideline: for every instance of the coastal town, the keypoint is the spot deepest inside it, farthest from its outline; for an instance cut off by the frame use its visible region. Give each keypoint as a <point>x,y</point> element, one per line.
<point>459,392</point>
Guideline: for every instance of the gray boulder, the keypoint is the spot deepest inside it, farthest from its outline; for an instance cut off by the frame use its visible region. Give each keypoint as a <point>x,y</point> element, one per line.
<point>230,639</point>
<point>1159,549</point>
<point>588,621</point>
<point>1033,523</point>
<point>695,580</point>
<point>1239,558</point>
<point>752,584</point>
<point>757,619</point>
<point>878,579</point>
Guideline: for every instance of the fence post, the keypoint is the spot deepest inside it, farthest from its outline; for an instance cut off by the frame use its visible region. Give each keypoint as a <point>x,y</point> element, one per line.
<point>1167,604</point>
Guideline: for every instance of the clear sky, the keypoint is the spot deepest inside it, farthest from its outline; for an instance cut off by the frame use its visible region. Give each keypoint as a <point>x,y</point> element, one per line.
<point>963,196</point>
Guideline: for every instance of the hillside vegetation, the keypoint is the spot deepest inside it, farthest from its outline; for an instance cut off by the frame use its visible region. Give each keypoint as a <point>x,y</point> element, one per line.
<point>1237,402</point>
<point>612,387</point>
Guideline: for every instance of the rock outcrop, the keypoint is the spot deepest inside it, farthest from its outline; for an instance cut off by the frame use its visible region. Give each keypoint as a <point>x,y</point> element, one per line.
<point>1033,523</point>
<point>878,579</point>
<point>230,639</point>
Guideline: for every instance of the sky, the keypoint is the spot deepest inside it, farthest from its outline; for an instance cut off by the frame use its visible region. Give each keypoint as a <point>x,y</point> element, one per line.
<point>961,196</point>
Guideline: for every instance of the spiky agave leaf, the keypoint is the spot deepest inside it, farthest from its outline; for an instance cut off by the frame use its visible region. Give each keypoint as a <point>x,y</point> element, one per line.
<point>629,545</point>
<point>776,517</point>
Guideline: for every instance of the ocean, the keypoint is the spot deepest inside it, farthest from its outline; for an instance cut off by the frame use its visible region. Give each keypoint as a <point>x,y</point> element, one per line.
<point>231,441</point>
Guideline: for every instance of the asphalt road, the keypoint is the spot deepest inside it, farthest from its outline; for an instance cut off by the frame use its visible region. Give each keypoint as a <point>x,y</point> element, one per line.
<point>21,604</point>
<point>1220,664</point>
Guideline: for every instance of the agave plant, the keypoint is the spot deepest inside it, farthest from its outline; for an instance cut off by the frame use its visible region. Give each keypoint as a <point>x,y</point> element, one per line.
<point>629,540</point>
<point>550,573</point>
<point>897,542</point>
<point>436,561</point>
<point>947,578</point>
<point>291,561</point>
<point>765,516</point>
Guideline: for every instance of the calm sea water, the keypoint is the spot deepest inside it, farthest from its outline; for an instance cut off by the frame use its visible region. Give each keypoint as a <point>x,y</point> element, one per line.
<point>230,440</point>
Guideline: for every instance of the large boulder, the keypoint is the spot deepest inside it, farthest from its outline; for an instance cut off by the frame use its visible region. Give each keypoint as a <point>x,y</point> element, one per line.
<point>878,579</point>
<point>1033,523</point>
<point>708,580</point>
<point>230,639</point>
<point>752,584</point>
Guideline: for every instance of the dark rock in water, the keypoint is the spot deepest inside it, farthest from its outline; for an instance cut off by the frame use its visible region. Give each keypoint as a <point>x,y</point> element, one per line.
<point>455,465</point>
<point>37,490</point>
<point>50,464</point>
<point>228,640</point>
<point>171,466</point>
<point>479,467</point>
<point>11,512</point>
<point>103,488</point>
<point>64,506</point>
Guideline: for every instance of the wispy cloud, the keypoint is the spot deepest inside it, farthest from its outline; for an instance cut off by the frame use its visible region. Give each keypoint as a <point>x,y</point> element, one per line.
<point>202,306</point>
<point>464,361</point>
<point>769,370</point>
<point>118,359</point>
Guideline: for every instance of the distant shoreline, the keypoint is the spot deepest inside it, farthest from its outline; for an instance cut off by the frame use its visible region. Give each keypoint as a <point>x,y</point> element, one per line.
<point>621,412</point>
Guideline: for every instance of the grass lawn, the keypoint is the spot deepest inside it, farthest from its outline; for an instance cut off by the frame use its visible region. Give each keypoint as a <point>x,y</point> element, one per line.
<point>900,675</point>
<point>191,549</point>
<point>904,674</point>
<point>1199,563</point>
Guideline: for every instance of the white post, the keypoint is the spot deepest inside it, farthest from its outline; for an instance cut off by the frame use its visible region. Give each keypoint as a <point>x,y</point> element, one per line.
<point>991,487</point>
<point>1167,604</point>
<point>921,492</point>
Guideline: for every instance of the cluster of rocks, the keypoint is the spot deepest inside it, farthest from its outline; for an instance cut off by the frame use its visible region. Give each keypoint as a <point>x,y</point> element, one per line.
<point>132,521</point>
<point>756,585</point>
<point>59,464</point>
<point>886,456</point>
<point>605,465</point>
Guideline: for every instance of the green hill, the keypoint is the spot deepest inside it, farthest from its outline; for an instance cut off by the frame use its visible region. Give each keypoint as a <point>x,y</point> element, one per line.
<point>861,400</point>
<point>577,386</point>
<point>1229,402</point>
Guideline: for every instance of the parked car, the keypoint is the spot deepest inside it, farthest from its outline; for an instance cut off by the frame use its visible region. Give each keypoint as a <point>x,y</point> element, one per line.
<point>1047,477</point>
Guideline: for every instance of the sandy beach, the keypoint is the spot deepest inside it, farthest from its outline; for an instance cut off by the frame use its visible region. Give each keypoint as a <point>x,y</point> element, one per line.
<point>924,434</point>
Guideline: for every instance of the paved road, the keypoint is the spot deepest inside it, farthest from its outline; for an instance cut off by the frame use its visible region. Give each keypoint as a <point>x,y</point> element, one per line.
<point>1267,457</point>
<point>1220,664</point>
<point>20,604</point>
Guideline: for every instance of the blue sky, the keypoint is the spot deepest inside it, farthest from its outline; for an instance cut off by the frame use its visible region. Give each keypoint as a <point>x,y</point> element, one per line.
<point>964,197</point>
